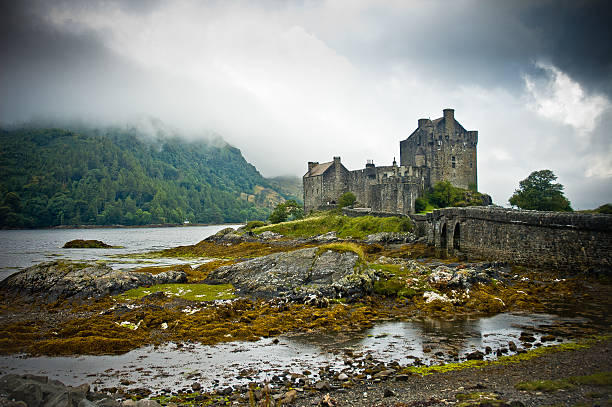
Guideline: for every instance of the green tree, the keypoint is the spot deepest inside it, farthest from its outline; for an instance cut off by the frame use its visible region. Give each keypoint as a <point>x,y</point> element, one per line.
<point>538,192</point>
<point>347,199</point>
<point>444,194</point>
<point>420,204</point>
<point>288,210</point>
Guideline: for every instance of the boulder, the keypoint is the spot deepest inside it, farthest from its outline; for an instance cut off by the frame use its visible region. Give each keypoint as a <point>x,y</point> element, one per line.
<point>390,238</point>
<point>56,280</point>
<point>269,235</point>
<point>463,276</point>
<point>300,275</point>
<point>33,391</point>
<point>227,235</point>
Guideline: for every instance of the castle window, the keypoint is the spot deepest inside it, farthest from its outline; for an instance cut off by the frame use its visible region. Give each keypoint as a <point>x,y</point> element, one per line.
<point>470,165</point>
<point>453,161</point>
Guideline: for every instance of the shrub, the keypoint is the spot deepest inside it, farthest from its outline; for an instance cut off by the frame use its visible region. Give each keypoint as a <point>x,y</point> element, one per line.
<point>347,199</point>
<point>420,205</point>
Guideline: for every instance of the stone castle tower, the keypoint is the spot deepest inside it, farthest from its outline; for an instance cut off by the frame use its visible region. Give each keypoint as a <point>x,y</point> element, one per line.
<point>446,148</point>
<point>438,150</point>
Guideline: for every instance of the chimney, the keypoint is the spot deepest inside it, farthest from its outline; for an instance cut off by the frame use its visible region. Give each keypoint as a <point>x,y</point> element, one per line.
<point>312,164</point>
<point>423,122</point>
<point>336,160</point>
<point>449,114</point>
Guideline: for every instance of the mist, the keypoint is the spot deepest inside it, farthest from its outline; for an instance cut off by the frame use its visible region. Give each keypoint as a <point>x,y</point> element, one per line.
<point>298,81</point>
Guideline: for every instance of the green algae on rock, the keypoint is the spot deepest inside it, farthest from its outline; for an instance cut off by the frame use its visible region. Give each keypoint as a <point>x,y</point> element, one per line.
<point>192,292</point>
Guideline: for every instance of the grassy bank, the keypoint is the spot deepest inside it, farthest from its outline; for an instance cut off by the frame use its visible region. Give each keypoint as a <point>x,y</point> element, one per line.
<point>344,226</point>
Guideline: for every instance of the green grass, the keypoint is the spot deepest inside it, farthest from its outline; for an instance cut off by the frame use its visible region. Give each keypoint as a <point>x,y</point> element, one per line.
<point>601,379</point>
<point>504,360</point>
<point>343,247</point>
<point>344,226</point>
<point>193,292</point>
<point>428,208</point>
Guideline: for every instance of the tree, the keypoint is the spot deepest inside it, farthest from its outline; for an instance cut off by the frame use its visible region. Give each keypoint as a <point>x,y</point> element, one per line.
<point>444,194</point>
<point>420,204</point>
<point>538,192</point>
<point>347,199</point>
<point>288,210</point>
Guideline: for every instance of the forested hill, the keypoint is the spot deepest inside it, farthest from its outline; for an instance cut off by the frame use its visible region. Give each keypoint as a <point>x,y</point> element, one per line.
<point>51,177</point>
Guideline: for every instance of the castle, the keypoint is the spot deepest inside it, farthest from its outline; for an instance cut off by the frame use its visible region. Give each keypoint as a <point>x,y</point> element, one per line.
<point>438,150</point>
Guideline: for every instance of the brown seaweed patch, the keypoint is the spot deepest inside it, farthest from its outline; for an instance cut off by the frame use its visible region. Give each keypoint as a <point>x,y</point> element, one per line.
<point>143,322</point>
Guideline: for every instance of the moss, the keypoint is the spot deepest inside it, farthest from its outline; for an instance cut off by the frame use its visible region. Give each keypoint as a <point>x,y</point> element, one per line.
<point>87,244</point>
<point>504,360</point>
<point>602,379</point>
<point>192,292</point>
<point>397,281</point>
<point>343,247</point>
<point>479,398</point>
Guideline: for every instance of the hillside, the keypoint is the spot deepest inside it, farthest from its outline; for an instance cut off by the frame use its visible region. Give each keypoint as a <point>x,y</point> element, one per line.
<point>51,177</point>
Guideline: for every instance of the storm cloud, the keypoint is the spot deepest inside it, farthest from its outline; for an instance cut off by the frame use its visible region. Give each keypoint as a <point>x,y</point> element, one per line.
<point>296,81</point>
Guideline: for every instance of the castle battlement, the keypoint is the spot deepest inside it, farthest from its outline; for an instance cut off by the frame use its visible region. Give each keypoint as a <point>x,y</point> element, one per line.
<point>438,150</point>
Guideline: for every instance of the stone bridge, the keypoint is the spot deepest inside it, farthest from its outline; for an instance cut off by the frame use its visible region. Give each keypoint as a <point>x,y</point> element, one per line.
<point>563,240</point>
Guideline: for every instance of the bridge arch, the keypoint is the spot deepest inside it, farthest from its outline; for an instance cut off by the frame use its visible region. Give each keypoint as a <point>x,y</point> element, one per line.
<point>457,237</point>
<point>443,236</point>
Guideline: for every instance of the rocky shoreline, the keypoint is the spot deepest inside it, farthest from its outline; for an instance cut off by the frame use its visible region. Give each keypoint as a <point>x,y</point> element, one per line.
<point>297,285</point>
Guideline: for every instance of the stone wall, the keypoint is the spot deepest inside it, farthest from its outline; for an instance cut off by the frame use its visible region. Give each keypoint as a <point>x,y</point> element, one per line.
<point>356,212</point>
<point>549,239</point>
<point>445,148</point>
<point>325,189</point>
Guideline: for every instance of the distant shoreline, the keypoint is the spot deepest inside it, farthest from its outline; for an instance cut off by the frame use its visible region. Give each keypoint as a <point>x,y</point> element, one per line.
<point>156,225</point>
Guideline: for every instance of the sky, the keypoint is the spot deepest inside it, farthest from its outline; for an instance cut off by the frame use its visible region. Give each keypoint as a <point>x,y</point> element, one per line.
<point>292,81</point>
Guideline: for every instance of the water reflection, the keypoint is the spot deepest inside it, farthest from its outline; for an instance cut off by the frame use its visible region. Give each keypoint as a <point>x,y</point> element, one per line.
<point>424,341</point>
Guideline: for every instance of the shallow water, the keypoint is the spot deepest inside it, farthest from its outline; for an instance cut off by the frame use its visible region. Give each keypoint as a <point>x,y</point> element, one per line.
<point>24,248</point>
<point>177,367</point>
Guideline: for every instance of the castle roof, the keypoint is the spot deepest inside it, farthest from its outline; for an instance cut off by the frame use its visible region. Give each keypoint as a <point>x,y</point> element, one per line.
<point>319,169</point>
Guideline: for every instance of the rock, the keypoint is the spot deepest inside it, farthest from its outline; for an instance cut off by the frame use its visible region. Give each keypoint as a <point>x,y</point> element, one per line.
<point>512,346</point>
<point>35,391</point>
<point>464,277</point>
<point>269,235</point>
<point>289,397</point>
<point>402,378</point>
<point>390,238</point>
<point>547,338</point>
<point>226,391</point>
<point>384,374</point>
<point>298,275</point>
<point>477,355</point>
<point>323,386</point>
<point>388,393</point>
<point>525,337</point>
<point>343,376</point>
<point>86,244</point>
<point>431,296</point>
<point>56,280</point>
<point>196,386</point>
<point>28,392</point>
<point>326,238</point>
<point>488,350</point>
<point>147,403</point>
